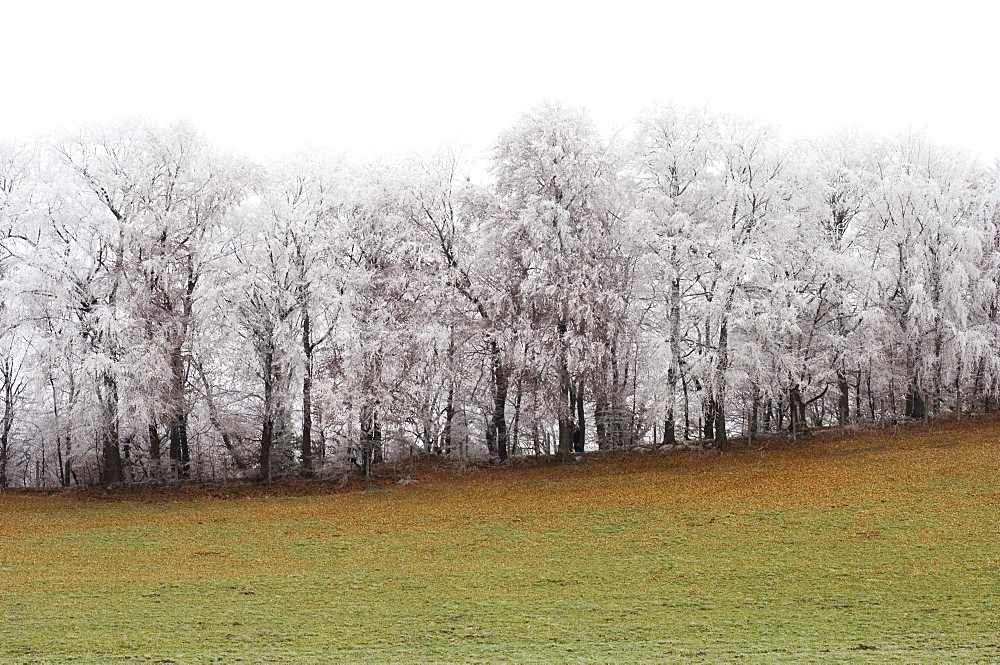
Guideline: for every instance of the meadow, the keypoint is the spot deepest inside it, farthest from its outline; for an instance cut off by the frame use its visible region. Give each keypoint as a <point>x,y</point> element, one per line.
<point>877,547</point>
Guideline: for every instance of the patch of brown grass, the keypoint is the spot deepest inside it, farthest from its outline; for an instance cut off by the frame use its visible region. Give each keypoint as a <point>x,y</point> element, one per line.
<point>778,473</point>
<point>779,553</point>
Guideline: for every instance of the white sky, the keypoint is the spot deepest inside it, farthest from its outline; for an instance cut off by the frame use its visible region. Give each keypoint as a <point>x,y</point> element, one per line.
<point>374,76</point>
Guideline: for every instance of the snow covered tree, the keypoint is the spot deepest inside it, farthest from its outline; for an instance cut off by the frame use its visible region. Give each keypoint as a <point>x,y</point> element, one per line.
<point>558,180</point>
<point>930,224</point>
<point>18,232</point>
<point>676,167</point>
<point>149,201</point>
<point>303,202</point>
<point>165,310</point>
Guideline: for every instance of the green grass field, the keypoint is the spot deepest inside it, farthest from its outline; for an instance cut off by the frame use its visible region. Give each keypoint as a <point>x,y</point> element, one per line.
<point>876,548</point>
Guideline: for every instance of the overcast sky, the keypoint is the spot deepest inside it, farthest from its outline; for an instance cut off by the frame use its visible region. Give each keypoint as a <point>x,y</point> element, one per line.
<point>369,76</point>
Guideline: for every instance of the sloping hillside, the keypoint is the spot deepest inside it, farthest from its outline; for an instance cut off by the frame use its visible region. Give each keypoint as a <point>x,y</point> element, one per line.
<point>879,547</point>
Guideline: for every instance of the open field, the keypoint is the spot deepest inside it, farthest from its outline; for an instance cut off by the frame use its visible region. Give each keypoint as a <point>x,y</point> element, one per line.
<point>877,548</point>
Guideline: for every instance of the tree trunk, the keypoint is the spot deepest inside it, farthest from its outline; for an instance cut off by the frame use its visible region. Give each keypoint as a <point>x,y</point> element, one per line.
<point>306,451</point>
<point>687,409</point>
<point>154,445</point>
<point>958,389</point>
<point>4,443</point>
<point>581,422</point>
<point>267,426</point>
<point>721,439</point>
<point>794,413</point>
<point>378,451</point>
<point>365,440</point>
<point>673,372</point>
<point>111,472</point>
<point>915,407</point>
<point>266,441</point>
<point>601,420</point>
<point>515,433</point>
<point>978,382</point>
<point>753,421</point>
<point>669,429</point>
<point>59,460</point>
<point>871,397</point>
<point>179,452</point>
<point>62,441</point>
<point>565,402</point>
<point>7,424</point>
<point>844,403</point>
<point>858,413</point>
<point>565,450</point>
<point>449,418</point>
<point>498,425</point>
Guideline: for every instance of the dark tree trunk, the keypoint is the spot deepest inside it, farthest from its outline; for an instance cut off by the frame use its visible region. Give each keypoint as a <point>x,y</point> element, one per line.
<point>306,450</point>
<point>378,451</point>
<point>871,396</point>
<point>580,437</point>
<point>498,425</point>
<point>365,442</point>
<point>669,433</point>
<point>266,442</point>
<point>63,442</point>
<point>60,461</point>
<point>268,424</point>
<point>449,418</point>
<point>565,451</point>
<point>687,409</point>
<point>566,404</point>
<point>915,407</point>
<point>8,418</point>
<point>112,472</point>
<point>978,382</point>
<point>154,444</point>
<point>371,440</point>
<point>959,405</point>
<point>4,443</point>
<point>794,413</point>
<point>306,444</point>
<point>515,429</point>
<point>179,454</point>
<point>601,421</point>
<point>721,439</point>
<point>858,414</point>
<point>709,420</point>
<point>669,424</point>
<point>844,402</point>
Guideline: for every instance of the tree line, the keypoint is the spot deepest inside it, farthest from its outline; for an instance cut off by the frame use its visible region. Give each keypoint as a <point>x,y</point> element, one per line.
<point>170,311</point>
